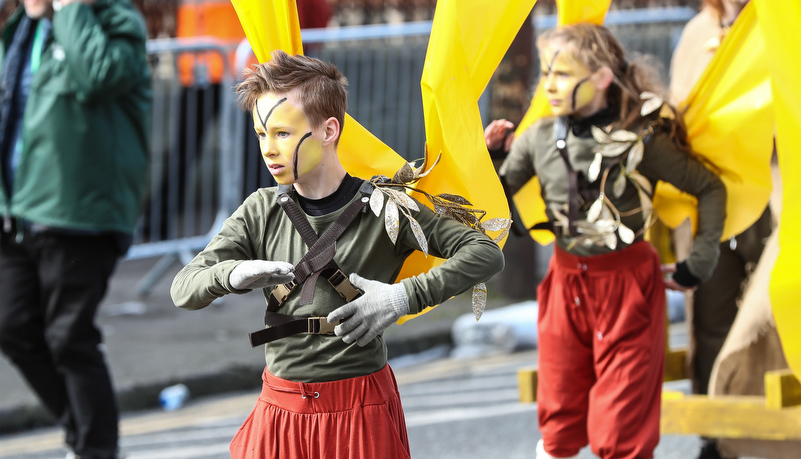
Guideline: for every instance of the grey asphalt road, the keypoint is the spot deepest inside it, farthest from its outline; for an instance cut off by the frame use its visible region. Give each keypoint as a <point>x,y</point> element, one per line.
<point>455,408</point>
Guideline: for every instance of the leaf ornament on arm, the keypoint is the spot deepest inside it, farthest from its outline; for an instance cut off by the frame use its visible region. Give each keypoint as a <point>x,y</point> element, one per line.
<point>392,195</point>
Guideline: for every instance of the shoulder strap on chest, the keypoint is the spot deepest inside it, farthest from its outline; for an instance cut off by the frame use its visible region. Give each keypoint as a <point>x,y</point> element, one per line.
<point>560,130</point>
<point>319,260</point>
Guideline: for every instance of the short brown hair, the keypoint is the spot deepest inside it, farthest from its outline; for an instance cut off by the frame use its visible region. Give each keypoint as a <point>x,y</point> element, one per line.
<point>322,88</point>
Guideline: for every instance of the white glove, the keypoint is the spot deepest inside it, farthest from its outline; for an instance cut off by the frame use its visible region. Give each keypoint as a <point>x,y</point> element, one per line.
<point>366,317</point>
<point>253,274</point>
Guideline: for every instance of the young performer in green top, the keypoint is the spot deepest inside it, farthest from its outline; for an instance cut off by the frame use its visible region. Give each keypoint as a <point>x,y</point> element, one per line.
<point>602,303</point>
<point>328,391</point>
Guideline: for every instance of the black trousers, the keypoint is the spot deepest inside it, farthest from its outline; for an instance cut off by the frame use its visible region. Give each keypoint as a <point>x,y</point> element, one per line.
<point>52,284</point>
<point>716,301</point>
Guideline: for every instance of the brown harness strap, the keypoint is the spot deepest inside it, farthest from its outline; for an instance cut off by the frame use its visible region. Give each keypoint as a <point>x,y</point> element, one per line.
<point>561,126</point>
<point>321,251</point>
<point>319,260</point>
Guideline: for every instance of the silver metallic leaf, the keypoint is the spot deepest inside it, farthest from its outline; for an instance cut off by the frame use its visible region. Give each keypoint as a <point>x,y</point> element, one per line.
<point>650,105</point>
<point>600,135</point>
<point>455,198</point>
<point>612,150</point>
<point>606,214</point>
<point>421,175</point>
<point>643,183</point>
<point>464,216</point>
<point>622,135</point>
<point>404,175</point>
<point>620,185</point>
<point>561,218</point>
<point>595,210</point>
<point>496,224</point>
<point>585,227</point>
<point>611,241</point>
<point>595,168</point>
<point>504,233</point>
<point>391,220</point>
<point>626,234</point>
<point>404,199</point>
<point>479,300</point>
<point>419,235</point>
<point>377,201</point>
<point>635,156</point>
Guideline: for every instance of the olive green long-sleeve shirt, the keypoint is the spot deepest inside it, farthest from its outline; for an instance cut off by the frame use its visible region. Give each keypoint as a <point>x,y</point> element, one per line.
<point>534,153</point>
<point>260,229</point>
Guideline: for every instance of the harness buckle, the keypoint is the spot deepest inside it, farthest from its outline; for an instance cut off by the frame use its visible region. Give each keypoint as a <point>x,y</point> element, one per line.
<point>342,285</point>
<point>323,327</point>
<point>282,291</point>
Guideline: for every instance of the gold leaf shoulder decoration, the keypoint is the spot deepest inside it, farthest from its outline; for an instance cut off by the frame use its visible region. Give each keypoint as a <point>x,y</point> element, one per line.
<point>603,225</point>
<point>388,195</point>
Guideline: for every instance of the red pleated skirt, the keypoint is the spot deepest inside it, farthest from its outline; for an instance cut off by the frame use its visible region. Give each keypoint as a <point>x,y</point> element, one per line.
<point>353,418</point>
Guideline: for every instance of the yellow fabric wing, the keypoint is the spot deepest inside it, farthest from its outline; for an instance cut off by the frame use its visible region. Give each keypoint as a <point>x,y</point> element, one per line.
<point>730,123</point>
<point>468,40</point>
<point>270,25</point>
<point>781,26</point>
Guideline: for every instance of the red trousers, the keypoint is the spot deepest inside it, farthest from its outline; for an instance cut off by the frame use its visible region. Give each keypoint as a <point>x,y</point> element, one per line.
<point>352,418</point>
<point>601,353</point>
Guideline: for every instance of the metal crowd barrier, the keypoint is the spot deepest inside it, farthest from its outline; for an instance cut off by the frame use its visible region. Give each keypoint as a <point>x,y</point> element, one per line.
<point>205,157</point>
<point>189,189</point>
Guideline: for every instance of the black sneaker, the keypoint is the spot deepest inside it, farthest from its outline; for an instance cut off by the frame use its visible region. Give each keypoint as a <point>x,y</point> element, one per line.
<point>709,450</point>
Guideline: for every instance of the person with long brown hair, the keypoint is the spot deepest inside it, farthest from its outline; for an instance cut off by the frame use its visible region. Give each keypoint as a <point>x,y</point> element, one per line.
<point>611,138</point>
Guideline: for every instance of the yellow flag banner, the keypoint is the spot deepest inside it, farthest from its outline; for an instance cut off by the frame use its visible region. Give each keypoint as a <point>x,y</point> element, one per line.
<point>528,199</point>
<point>781,26</point>
<point>468,40</point>
<point>730,123</point>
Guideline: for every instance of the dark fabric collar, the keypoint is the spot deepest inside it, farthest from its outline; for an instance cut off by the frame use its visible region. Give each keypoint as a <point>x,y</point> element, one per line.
<point>340,198</point>
<point>602,118</point>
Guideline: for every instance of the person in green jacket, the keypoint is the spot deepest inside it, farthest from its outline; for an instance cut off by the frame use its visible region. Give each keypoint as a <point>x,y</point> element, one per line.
<point>326,248</point>
<point>74,128</point>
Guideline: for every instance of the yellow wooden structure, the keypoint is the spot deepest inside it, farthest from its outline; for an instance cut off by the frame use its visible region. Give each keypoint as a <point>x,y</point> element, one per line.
<point>775,416</point>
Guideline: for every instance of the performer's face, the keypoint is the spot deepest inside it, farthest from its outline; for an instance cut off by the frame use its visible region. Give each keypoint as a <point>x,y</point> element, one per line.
<point>567,83</point>
<point>290,146</point>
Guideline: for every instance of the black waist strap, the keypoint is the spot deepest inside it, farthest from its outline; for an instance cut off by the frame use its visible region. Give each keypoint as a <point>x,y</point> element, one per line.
<point>290,326</point>
<point>282,325</point>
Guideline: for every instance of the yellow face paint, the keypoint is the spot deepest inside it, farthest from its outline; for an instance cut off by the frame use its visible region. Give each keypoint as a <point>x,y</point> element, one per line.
<point>566,83</point>
<point>287,141</point>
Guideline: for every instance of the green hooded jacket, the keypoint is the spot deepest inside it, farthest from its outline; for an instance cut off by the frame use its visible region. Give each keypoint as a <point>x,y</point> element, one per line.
<point>85,136</point>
